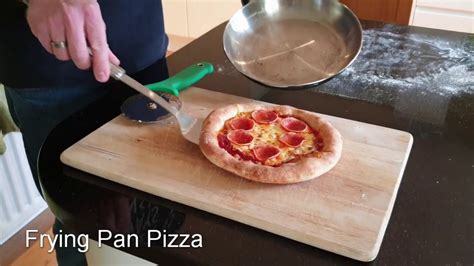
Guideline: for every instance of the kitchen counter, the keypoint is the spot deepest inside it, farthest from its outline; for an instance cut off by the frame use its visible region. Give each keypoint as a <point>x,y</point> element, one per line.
<point>412,79</point>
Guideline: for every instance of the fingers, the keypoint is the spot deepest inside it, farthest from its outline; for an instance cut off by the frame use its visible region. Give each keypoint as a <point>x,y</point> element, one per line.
<point>81,25</point>
<point>76,37</point>
<point>113,58</point>
<point>58,34</point>
<point>95,31</point>
<point>44,39</point>
<point>40,30</point>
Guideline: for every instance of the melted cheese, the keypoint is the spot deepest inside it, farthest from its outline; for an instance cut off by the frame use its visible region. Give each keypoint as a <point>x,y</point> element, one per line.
<point>269,134</point>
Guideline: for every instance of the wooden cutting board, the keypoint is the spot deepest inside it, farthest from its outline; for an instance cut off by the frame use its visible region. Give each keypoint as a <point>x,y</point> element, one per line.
<point>345,211</point>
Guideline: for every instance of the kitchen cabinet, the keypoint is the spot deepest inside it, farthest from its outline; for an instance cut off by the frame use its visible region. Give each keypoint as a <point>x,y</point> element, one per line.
<point>193,18</point>
<point>392,11</point>
<point>455,15</point>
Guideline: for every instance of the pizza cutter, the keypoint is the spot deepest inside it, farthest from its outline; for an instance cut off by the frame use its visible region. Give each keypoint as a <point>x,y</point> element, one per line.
<point>190,126</point>
<point>142,109</point>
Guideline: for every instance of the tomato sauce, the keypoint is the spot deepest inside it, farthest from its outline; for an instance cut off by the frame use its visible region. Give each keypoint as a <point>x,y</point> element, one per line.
<point>225,144</point>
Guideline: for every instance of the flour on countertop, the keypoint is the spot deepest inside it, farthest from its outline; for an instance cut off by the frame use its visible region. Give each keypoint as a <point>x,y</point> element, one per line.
<point>391,64</point>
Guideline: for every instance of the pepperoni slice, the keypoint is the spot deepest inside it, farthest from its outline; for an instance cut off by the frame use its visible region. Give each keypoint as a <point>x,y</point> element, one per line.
<point>292,139</point>
<point>242,123</point>
<point>265,152</point>
<point>293,124</point>
<point>264,117</point>
<point>240,137</point>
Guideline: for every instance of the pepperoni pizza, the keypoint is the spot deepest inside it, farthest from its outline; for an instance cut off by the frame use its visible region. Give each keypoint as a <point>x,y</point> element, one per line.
<point>270,144</point>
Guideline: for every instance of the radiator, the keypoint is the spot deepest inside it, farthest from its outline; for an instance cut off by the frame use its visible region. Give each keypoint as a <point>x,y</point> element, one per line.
<point>20,201</point>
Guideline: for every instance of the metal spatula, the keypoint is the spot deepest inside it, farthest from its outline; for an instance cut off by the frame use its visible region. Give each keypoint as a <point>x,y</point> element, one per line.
<point>190,126</point>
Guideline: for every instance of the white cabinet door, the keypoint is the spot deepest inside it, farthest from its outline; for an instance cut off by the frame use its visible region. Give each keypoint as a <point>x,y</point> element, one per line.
<point>455,15</point>
<point>203,15</point>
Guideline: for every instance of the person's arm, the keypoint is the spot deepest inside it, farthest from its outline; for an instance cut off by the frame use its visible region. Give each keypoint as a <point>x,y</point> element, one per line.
<point>79,24</point>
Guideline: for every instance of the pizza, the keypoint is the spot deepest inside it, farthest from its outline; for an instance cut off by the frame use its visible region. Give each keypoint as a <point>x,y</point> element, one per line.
<point>270,143</point>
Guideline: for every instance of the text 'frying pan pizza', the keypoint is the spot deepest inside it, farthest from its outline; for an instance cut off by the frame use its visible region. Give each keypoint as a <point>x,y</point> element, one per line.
<point>270,144</point>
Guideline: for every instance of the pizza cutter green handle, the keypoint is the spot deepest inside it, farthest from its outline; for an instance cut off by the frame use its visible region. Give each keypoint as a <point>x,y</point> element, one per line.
<point>184,79</point>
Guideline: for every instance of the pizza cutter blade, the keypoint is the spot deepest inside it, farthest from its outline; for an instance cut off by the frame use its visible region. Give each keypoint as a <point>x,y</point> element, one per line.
<point>190,126</point>
<point>141,109</point>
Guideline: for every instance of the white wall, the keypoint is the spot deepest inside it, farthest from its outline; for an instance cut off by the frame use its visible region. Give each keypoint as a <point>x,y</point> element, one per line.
<point>193,18</point>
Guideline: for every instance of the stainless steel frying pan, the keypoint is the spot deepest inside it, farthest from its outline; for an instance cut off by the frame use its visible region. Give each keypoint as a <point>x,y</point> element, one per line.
<point>292,43</point>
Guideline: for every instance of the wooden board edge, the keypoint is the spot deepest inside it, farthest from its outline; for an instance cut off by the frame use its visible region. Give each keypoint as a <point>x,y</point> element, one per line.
<point>63,157</point>
<point>372,254</point>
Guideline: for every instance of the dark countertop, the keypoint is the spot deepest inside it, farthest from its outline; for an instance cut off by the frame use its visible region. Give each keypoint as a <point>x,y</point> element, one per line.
<point>408,78</point>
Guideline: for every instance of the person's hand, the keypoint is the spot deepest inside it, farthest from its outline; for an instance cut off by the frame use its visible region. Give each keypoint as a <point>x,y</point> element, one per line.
<point>79,24</point>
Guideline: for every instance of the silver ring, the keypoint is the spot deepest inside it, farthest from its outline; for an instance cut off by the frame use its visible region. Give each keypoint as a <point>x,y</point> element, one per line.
<point>58,45</point>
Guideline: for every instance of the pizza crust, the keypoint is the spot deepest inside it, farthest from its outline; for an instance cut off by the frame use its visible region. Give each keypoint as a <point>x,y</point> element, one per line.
<point>303,169</point>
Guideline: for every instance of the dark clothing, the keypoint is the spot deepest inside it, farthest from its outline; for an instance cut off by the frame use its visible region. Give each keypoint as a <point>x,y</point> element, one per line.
<point>135,33</point>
